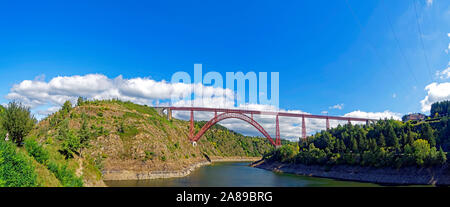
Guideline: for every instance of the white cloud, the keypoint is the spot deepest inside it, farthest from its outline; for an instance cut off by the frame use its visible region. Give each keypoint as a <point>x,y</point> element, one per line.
<point>435,92</point>
<point>444,74</point>
<point>35,93</point>
<point>49,110</point>
<point>337,106</point>
<point>47,97</point>
<point>429,2</point>
<point>374,115</point>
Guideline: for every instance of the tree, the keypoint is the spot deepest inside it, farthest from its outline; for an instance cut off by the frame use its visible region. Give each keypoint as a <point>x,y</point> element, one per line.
<point>381,140</point>
<point>84,133</point>
<point>66,108</point>
<point>410,137</point>
<point>354,145</point>
<point>442,157</point>
<point>80,101</point>
<point>422,150</point>
<point>440,108</point>
<point>391,137</point>
<point>70,145</point>
<point>17,121</point>
<point>427,134</point>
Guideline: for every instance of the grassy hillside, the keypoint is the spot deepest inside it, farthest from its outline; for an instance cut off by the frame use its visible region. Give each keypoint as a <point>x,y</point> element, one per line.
<point>74,145</point>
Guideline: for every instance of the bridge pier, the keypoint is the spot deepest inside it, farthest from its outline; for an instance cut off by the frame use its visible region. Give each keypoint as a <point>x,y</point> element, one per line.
<point>160,111</point>
<point>328,123</point>
<point>191,132</point>
<point>169,114</point>
<point>303,127</point>
<point>277,133</point>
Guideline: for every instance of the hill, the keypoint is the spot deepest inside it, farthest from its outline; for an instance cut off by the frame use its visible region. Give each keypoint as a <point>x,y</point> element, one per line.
<point>78,145</point>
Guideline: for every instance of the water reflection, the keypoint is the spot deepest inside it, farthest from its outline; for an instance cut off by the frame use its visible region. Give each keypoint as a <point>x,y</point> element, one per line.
<point>238,174</point>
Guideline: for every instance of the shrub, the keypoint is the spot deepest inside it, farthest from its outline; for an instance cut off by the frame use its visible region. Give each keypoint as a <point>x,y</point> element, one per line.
<point>16,170</point>
<point>37,151</point>
<point>71,144</point>
<point>65,175</point>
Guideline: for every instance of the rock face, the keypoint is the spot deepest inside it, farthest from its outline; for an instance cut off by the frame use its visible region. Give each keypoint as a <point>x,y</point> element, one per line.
<point>149,175</point>
<point>131,175</point>
<point>402,176</point>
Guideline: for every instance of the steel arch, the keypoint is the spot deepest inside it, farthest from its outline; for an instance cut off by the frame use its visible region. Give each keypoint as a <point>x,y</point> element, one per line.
<point>227,115</point>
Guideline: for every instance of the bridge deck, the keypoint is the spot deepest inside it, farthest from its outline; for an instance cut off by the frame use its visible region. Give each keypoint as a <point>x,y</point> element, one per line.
<point>256,112</point>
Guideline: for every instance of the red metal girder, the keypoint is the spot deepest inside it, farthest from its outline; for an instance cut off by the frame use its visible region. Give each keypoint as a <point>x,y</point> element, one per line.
<point>240,116</point>
<point>244,111</point>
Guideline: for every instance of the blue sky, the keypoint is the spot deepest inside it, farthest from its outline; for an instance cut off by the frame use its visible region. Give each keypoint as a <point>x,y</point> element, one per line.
<point>325,54</point>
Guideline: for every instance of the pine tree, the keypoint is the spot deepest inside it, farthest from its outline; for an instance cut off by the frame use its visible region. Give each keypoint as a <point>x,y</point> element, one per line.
<point>84,133</point>
<point>80,101</point>
<point>354,145</point>
<point>381,140</point>
<point>410,138</point>
<point>427,134</point>
<point>391,137</point>
<point>441,156</point>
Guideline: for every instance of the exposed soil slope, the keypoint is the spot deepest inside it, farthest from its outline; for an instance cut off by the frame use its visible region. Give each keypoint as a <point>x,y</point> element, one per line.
<point>128,137</point>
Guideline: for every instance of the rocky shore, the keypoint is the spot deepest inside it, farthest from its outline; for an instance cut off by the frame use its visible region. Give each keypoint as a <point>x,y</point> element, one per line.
<point>402,176</point>
<point>133,175</point>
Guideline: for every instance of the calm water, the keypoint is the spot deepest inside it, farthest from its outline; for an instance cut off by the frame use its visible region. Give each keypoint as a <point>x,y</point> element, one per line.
<point>237,174</point>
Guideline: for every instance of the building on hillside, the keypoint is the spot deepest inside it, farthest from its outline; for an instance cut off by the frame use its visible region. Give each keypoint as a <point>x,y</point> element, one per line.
<point>414,117</point>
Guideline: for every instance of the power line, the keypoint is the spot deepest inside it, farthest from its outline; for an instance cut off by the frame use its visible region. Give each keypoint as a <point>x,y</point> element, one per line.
<point>397,41</point>
<point>370,44</point>
<point>421,40</point>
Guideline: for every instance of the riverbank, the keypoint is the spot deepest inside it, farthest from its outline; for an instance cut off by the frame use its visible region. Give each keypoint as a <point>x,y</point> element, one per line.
<point>402,176</point>
<point>149,175</point>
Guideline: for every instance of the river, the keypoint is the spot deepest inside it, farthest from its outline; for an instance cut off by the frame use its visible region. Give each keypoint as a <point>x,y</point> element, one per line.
<point>237,174</point>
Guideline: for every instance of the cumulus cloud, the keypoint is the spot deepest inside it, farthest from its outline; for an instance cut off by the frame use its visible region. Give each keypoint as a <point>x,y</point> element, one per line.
<point>47,97</point>
<point>35,93</point>
<point>337,106</point>
<point>435,92</point>
<point>374,115</point>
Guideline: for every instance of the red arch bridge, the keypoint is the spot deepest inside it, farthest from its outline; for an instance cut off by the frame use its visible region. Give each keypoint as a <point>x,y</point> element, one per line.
<point>247,116</point>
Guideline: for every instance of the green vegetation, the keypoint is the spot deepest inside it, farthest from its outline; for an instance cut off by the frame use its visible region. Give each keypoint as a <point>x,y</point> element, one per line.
<point>59,167</point>
<point>73,145</point>
<point>228,143</point>
<point>16,169</point>
<point>387,143</point>
<point>65,175</point>
<point>440,109</point>
<point>17,121</point>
